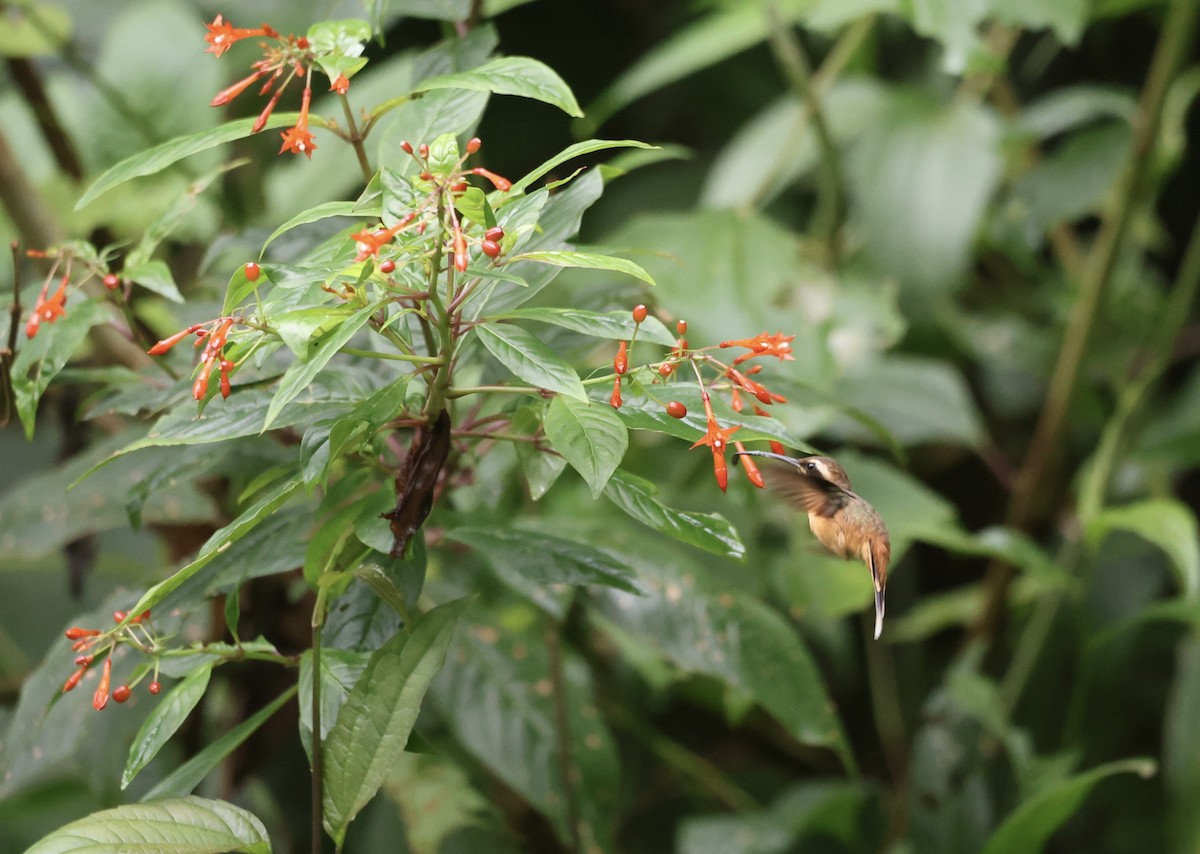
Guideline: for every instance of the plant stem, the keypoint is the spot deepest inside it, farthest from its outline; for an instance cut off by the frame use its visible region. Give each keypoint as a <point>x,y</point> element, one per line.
<point>1029,484</point>
<point>9,353</point>
<point>789,53</point>
<point>317,794</point>
<point>357,139</point>
<point>395,357</point>
<point>885,702</point>
<point>562,733</point>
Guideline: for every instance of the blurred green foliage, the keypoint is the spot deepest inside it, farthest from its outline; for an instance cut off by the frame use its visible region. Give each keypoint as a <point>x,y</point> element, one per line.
<point>978,219</point>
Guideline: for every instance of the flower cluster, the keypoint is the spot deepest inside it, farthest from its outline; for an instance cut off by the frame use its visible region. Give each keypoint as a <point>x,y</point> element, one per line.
<point>48,309</point>
<point>91,644</point>
<point>285,58</point>
<point>446,185</point>
<point>214,337</point>
<point>736,382</point>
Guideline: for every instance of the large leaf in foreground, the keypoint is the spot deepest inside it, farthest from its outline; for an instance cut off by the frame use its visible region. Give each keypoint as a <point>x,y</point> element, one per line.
<point>373,725</point>
<point>530,359</point>
<point>590,436</point>
<point>174,826</point>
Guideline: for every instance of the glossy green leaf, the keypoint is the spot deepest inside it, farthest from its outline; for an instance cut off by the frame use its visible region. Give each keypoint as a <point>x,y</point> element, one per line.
<point>511,75</point>
<point>299,375</point>
<point>159,157</point>
<point>373,725</point>
<point>1031,824</point>
<point>1168,524</point>
<point>323,211</point>
<point>708,531</point>
<point>590,436</point>
<point>617,325</point>
<point>172,826</point>
<point>189,775</point>
<point>162,723</point>
<point>529,359</point>
<point>586,261</point>
<point>535,564</point>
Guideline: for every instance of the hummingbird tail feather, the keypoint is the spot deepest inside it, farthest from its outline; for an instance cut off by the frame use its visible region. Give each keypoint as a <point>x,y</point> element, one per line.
<point>878,612</point>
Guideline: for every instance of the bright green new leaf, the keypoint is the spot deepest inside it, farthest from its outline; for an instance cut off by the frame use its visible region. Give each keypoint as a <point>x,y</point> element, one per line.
<point>162,723</point>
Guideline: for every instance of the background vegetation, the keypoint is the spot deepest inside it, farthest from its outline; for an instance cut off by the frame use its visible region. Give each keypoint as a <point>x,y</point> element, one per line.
<point>980,222</point>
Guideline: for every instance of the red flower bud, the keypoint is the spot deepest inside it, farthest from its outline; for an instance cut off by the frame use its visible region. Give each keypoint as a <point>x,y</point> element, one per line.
<point>112,281</point>
<point>666,369</point>
<point>494,233</point>
<point>639,313</point>
<point>100,698</point>
<point>118,616</point>
<point>502,184</point>
<point>423,151</point>
<point>387,266</point>
<point>614,399</point>
<point>121,693</point>
<point>406,146</point>
<point>676,409</point>
<point>73,679</point>
<point>777,448</point>
<point>490,248</point>
<point>681,327</point>
<point>75,633</point>
<point>473,144</point>
<point>155,687</point>
<point>252,271</point>
<point>621,362</point>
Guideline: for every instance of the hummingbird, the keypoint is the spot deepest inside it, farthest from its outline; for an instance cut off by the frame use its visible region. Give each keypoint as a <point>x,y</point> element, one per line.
<point>842,521</point>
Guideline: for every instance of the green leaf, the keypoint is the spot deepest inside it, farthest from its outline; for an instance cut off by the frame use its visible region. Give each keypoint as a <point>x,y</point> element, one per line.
<point>299,374</point>
<point>541,467</point>
<point>161,156</point>
<point>530,359</point>
<point>1181,746</point>
<point>590,436</point>
<point>340,671</point>
<point>708,531</point>
<point>704,623</point>
<point>221,540</point>
<point>497,699</point>
<point>534,563</point>
<point>190,774</point>
<point>511,75</point>
<point>154,276</point>
<point>39,359</point>
<point>586,261</point>
<point>324,211</point>
<point>1166,523</point>
<point>1030,825</point>
<point>373,725</point>
<point>570,153</point>
<point>174,826</point>
<point>617,325</point>
<point>23,36</point>
<point>436,799</point>
<point>162,723</point>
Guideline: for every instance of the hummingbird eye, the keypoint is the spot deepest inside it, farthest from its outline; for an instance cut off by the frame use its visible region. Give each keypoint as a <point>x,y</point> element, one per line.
<point>812,467</point>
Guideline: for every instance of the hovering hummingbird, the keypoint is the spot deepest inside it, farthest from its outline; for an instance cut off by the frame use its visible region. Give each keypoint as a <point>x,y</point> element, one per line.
<point>841,520</point>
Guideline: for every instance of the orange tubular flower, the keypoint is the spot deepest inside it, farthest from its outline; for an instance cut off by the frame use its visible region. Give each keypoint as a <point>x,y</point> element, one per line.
<point>757,389</point>
<point>48,310</point>
<point>501,184</point>
<point>222,34</point>
<point>717,439</point>
<point>100,698</point>
<point>341,85</point>
<point>763,344</point>
<point>621,361</point>
<point>226,95</point>
<point>297,139</point>
<point>370,242</point>
<point>752,472</point>
<point>615,399</point>
<point>167,343</point>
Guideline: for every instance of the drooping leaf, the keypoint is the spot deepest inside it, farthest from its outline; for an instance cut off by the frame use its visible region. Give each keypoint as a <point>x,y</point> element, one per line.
<point>373,725</point>
<point>708,531</point>
<point>172,826</point>
<point>618,325</point>
<point>1168,524</point>
<point>585,260</point>
<point>579,149</point>
<point>590,436</point>
<point>162,723</point>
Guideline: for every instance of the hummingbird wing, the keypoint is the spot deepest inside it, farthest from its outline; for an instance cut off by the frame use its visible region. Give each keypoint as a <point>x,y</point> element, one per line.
<point>814,495</point>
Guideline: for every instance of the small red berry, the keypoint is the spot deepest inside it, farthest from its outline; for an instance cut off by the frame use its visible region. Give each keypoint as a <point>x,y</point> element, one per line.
<point>676,409</point>
<point>473,144</point>
<point>121,693</point>
<point>490,248</point>
<point>252,271</point>
<point>460,187</point>
<point>118,616</point>
<point>302,43</point>
<point>494,233</point>
<point>666,369</point>
<point>155,687</point>
<point>639,313</point>
<point>681,327</point>
<point>388,266</point>
<point>112,282</point>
